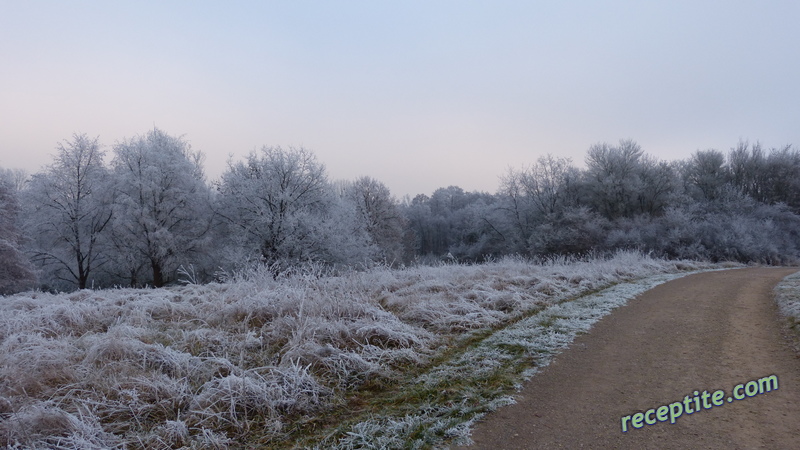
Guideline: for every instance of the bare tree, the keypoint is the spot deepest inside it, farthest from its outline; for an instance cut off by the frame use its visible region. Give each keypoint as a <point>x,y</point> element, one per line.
<point>519,209</point>
<point>545,183</point>
<point>17,179</point>
<point>746,166</point>
<point>16,272</point>
<point>70,209</point>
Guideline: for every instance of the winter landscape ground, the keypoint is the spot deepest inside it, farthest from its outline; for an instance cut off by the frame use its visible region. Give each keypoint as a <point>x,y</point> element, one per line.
<point>787,294</point>
<point>382,358</point>
<point>704,332</point>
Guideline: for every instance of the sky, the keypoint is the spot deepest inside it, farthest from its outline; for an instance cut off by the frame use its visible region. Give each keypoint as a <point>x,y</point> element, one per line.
<point>417,94</point>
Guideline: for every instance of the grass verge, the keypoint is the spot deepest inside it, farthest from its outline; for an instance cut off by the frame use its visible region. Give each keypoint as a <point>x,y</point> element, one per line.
<point>787,295</point>
<point>440,402</point>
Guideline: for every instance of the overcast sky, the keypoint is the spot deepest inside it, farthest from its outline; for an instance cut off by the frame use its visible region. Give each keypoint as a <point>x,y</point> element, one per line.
<point>419,95</point>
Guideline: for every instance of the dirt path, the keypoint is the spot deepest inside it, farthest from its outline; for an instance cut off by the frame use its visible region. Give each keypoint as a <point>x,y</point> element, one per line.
<point>710,331</point>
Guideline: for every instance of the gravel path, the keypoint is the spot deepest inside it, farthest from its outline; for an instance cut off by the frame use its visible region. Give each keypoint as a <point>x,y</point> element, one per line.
<point>705,332</point>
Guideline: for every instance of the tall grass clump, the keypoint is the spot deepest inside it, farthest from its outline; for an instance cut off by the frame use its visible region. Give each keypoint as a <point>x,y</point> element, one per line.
<point>266,360</point>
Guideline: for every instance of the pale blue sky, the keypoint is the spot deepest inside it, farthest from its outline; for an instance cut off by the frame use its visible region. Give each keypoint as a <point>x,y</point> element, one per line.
<point>419,95</point>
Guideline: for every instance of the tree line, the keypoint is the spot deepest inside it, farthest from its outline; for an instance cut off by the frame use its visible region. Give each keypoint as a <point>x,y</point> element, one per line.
<point>150,216</point>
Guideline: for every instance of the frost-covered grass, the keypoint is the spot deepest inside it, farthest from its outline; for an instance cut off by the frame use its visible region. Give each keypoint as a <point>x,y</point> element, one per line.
<point>787,295</point>
<point>377,358</point>
<point>463,389</point>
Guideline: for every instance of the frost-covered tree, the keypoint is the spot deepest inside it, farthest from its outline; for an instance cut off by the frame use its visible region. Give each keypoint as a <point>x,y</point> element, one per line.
<point>421,230</point>
<point>271,198</point>
<point>161,206</point>
<point>746,165</point>
<point>613,178</point>
<point>68,210</point>
<point>16,273</point>
<point>381,215</point>
<point>341,237</point>
<point>279,204</point>
<point>783,172</point>
<point>577,231</point>
<point>768,178</point>
<point>15,178</point>
<point>519,208</point>
<point>706,176</point>
<point>477,229</point>
<point>546,183</point>
<point>660,186</point>
<point>432,219</point>
<point>535,194</point>
<point>452,223</point>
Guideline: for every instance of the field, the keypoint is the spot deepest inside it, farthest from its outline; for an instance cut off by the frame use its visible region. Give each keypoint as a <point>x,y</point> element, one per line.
<point>382,358</point>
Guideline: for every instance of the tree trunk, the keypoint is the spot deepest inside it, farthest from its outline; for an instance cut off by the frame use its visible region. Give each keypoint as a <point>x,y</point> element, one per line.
<point>158,274</point>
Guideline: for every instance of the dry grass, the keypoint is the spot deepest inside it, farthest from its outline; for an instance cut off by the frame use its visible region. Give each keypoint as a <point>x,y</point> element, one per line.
<point>787,295</point>
<point>255,360</point>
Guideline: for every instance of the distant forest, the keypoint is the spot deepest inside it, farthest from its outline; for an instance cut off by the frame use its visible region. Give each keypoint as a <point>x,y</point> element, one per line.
<point>150,217</point>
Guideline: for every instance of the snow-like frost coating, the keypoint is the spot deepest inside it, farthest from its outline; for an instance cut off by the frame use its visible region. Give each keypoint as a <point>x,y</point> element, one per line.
<point>787,295</point>
<point>205,365</point>
<point>541,336</point>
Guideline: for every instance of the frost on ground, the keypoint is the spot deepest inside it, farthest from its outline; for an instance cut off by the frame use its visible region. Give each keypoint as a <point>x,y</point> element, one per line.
<point>250,361</point>
<point>516,353</point>
<point>787,295</point>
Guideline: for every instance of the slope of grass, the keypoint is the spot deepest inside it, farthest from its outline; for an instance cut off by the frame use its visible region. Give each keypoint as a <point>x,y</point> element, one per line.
<point>416,354</point>
<point>787,295</point>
